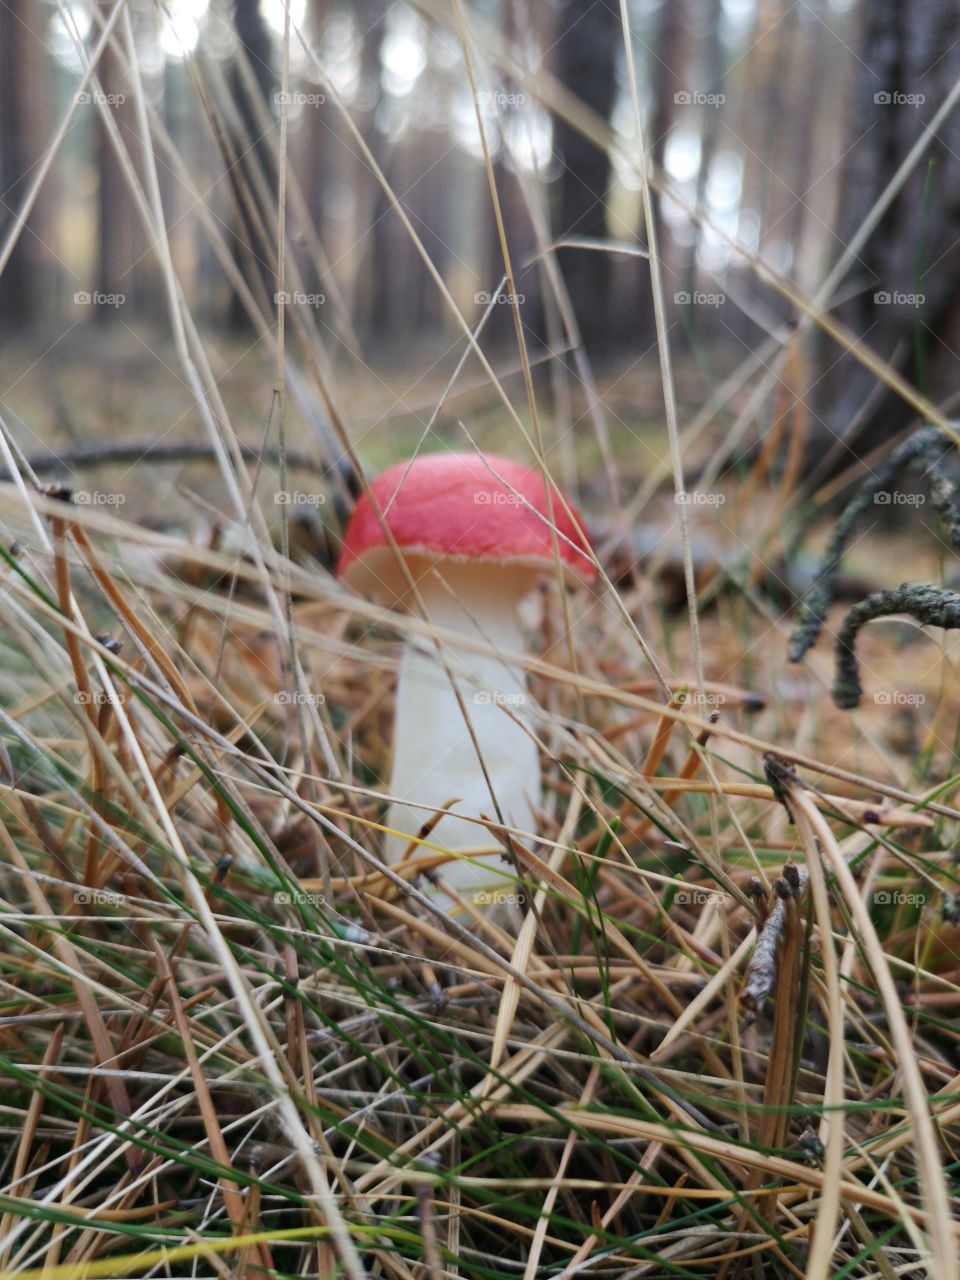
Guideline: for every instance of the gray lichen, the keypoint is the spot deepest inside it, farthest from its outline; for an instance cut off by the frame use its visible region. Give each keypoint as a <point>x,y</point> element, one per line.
<point>928,447</point>
<point>929,604</point>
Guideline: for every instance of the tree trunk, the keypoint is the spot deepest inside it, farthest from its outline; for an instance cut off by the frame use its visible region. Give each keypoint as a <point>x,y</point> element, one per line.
<point>250,253</point>
<point>588,40</point>
<point>903,288</point>
<point>24,92</point>
<point>374,300</point>
<point>669,82</point>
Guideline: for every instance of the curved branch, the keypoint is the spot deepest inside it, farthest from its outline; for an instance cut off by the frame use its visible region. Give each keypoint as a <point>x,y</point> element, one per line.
<point>932,606</point>
<point>929,446</point>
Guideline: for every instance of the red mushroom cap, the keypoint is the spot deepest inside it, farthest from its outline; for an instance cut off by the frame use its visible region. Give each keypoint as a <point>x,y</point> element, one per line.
<point>452,506</point>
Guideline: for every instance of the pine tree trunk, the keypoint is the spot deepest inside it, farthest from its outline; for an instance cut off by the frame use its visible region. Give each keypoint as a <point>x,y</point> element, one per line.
<point>24,93</point>
<point>588,41</point>
<point>902,291</point>
<point>250,253</point>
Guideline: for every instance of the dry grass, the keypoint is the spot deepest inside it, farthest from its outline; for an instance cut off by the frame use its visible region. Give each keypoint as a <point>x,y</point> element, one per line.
<point>194,898</point>
<point>721,1039</point>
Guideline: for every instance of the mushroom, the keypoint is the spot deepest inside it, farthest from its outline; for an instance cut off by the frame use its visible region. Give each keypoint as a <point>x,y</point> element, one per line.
<point>477,534</point>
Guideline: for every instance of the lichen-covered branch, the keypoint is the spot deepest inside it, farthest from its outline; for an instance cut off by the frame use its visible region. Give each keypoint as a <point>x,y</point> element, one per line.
<point>931,605</point>
<point>928,447</point>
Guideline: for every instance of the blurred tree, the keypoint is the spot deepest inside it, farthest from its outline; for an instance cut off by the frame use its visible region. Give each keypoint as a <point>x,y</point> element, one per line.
<point>25,85</point>
<point>669,81</point>
<point>712,55</point>
<point>773,50</point>
<point>251,152</point>
<point>901,295</point>
<point>588,39</point>
<point>808,61</point>
<point>125,265</point>
<point>313,156</point>
<point>520,30</point>
<point>379,239</point>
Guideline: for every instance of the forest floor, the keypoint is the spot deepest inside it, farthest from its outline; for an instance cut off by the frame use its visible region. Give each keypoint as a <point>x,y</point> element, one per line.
<point>80,394</point>
<point>467,1127</point>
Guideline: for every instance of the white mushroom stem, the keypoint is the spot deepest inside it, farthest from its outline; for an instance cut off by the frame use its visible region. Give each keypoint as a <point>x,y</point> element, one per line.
<point>434,758</point>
